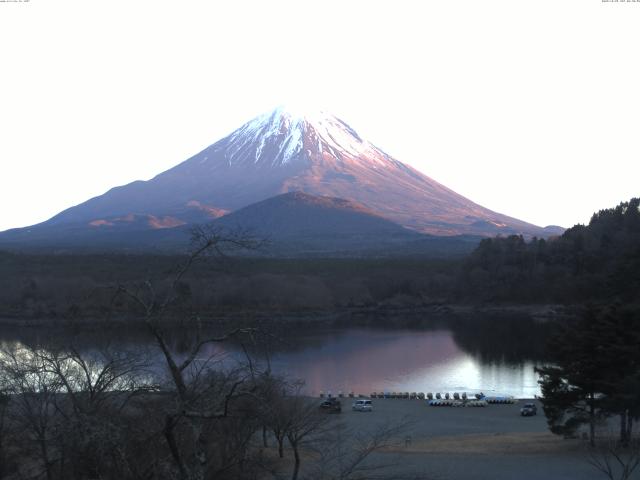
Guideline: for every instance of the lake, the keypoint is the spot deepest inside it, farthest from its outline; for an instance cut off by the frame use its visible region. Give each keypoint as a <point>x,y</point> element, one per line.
<point>365,361</point>
<point>477,356</point>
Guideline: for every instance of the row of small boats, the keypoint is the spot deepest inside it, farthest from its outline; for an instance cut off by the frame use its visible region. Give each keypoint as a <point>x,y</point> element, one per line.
<point>457,403</point>
<point>412,395</point>
<point>475,402</point>
<point>437,399</point>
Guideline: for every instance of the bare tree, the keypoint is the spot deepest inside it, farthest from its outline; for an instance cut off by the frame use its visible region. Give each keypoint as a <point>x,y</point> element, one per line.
<point>96,389</point>
<point>94,380</point>
<point>34,410</point>
<point>274,410</point>
<point>4,402</point>
<point>615,459</point>
<point>344,454</point>
<point>100,413</point>
<point>305,421</point>
<point>201,393</point>
<point>71,405</point>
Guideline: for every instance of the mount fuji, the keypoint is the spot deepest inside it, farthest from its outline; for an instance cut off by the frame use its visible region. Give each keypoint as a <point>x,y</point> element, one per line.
<point>274,154</point>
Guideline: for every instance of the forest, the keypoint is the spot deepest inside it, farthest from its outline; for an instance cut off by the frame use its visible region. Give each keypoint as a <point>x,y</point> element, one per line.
<point>597,262</point>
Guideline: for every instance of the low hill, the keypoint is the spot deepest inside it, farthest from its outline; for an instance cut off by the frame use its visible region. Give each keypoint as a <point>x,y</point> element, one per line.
<point>293,224</point>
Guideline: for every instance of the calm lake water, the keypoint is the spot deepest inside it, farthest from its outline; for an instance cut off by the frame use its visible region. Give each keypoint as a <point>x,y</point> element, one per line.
<point>495,358</point>
<point>366,360</point>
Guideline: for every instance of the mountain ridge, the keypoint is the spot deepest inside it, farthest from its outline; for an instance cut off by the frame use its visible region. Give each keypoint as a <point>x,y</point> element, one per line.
<point>280,152</point>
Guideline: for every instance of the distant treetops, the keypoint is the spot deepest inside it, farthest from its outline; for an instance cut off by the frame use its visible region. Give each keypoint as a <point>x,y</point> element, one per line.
<point>599,261</point>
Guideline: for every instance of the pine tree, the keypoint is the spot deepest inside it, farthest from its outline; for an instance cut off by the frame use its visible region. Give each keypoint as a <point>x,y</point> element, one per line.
<point>596,373</point>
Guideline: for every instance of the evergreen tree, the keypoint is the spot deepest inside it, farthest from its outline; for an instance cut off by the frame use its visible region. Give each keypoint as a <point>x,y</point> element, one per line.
<point>572,389</point>
<point>620,332</point>
<point>596,373</point>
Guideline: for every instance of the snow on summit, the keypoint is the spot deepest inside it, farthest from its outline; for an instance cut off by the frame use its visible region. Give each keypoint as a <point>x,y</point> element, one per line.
<point>285,135</point>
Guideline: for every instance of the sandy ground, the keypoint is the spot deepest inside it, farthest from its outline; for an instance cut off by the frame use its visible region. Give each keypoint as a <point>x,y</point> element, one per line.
<point>493,443</point>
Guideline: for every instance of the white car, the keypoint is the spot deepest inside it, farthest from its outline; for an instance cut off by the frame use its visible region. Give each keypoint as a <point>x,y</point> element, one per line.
<point>362,406</point>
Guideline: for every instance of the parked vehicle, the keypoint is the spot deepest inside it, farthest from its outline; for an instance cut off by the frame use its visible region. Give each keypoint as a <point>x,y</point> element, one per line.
<point>362,406</point>
<point>331,405</point>
<point>529,410</point>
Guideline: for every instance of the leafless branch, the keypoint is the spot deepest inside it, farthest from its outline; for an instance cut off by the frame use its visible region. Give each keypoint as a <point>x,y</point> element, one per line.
<point>613,459</point>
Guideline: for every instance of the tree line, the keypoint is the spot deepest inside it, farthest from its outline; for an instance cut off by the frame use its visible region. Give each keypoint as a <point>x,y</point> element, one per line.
<point>595,262</point>
<point>598,261</point>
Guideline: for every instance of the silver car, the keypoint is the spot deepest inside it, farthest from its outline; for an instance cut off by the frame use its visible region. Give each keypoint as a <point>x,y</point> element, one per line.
<point>362,406</point>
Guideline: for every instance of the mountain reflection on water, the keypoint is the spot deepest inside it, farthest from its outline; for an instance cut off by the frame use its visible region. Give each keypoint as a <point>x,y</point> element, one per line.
<point>364,360</point>
<point>472,357</point>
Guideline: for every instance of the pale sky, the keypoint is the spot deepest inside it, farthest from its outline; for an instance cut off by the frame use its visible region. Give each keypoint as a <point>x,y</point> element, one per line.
<point>530,108</point>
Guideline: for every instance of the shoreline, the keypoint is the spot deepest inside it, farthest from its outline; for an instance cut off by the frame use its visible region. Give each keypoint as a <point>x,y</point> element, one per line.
<point>391,315</point>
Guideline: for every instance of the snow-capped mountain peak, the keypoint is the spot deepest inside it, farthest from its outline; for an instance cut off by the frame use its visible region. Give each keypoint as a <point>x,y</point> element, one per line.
<point>289,150</point>
<point>285,135</point>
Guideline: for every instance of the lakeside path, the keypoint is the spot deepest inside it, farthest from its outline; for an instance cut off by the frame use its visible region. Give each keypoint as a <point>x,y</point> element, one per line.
<point>492,443</point>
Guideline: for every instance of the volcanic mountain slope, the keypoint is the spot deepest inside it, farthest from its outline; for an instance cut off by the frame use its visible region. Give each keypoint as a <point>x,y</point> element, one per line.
<point>292,224</point>
<point>276,153</point>
<point>301,223</point>
<point>297,223</point>
<point>297,214</point>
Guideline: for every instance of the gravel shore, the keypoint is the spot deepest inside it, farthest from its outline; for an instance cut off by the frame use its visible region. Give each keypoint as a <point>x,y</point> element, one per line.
<point>493,442</point>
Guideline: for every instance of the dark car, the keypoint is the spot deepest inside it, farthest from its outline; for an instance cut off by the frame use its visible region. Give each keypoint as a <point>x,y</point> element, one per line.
<point>331,405</point>
<point>529,410</point>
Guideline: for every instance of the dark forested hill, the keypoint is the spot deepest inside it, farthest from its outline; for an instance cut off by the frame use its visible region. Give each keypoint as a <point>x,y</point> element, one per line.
<point>593,262</point>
